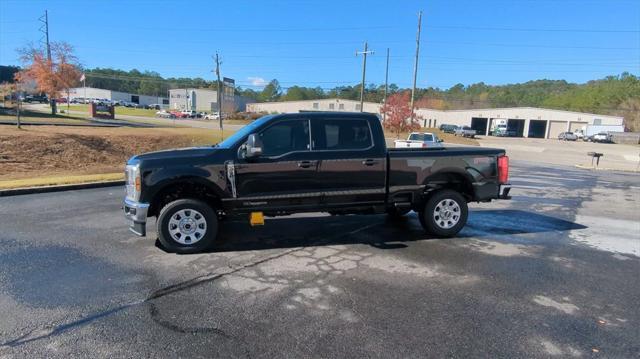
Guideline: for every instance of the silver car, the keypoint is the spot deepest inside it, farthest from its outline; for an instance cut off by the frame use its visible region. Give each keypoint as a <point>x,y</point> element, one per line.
<point>567,136</point>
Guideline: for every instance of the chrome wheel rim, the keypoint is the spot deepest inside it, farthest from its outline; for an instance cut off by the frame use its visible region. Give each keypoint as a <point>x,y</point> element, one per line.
<point>446,214</point>
<point>187,226</point>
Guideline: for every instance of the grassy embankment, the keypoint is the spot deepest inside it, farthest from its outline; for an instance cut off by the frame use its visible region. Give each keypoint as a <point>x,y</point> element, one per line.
<point>50,155</point>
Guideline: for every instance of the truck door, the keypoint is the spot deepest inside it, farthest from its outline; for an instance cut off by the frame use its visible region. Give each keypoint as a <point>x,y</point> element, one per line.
<point>352,167</point>
<point>285,175</point>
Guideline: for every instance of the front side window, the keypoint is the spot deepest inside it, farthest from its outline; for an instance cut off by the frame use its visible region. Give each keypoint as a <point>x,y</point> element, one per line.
<point>285,137</point>
<point>344,134</point>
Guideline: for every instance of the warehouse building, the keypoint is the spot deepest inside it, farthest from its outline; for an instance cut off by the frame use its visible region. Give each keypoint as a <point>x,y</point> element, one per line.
<point>199,99</point>
<point>522,121</point>
<point>334,104</point>
<point>92,92</point>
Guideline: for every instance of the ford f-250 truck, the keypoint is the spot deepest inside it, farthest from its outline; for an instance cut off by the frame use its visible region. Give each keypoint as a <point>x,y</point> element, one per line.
<point>306,162</point>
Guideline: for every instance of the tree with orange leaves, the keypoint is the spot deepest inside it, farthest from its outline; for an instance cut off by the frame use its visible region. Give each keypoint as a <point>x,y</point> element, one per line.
<point>398,113</point>
<point>52,76</point>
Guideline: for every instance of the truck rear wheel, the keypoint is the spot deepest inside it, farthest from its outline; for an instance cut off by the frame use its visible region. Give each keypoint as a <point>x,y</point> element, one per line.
<point>444,214</point>
<point>187,226</point>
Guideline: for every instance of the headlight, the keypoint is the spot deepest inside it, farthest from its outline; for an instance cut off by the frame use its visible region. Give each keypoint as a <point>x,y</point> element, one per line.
<point>133,182</point>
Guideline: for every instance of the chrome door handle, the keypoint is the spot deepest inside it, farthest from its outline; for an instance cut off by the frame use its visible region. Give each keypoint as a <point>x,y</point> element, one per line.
<point>369,162</point>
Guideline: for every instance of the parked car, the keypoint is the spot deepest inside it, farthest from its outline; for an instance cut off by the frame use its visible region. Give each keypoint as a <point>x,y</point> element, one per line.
<point>189,114</point>
<point>419,140</point>
<point>36,98</point>
<point>448,128</point>
<point>155,106</point>
<point>465,131</point>
<point>165,114</point>
<point>306,162</point>
<point>601,137</point>
<point>61,100</point>
<point>212,116</point>
<point>567,136</point>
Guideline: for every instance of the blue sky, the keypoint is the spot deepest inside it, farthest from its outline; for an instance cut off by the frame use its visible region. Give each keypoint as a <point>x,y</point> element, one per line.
<point>313,43</point>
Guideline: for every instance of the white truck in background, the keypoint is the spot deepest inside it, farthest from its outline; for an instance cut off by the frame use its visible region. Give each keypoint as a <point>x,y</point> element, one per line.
<point>419,140</point>
<point>587,132</point>
<point>499,128</point>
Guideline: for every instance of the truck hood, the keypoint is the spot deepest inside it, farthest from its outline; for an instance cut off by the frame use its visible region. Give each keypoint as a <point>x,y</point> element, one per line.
<point>175,154</point>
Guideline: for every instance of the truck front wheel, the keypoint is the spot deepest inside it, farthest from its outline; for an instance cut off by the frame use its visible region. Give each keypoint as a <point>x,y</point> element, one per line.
<point>444,214</point>
<point>187,226</point>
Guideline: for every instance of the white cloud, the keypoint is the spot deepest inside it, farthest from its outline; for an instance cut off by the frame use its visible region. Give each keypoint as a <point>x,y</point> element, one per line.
<point>257,81</point>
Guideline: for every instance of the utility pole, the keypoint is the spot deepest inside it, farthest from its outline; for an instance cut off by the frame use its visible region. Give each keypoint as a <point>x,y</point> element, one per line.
<point>45,29</point>
<point>386,87</point>
<point>415,66</point>
<point>219,99</point>
<point>18,105</point>
<point>364,71</point>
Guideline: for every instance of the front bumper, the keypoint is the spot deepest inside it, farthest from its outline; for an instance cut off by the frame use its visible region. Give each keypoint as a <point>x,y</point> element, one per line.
<point>503,192</point>
<point>136,214</point>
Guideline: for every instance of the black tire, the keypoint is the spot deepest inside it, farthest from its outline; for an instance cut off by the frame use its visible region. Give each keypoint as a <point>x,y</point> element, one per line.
<point>457,210</point>
<point>197,210</point>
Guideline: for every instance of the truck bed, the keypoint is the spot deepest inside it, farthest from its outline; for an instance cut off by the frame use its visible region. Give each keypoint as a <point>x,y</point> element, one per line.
<point>410,170</point>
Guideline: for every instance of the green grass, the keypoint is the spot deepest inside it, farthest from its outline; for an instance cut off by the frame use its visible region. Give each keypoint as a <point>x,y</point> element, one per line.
<point>120,110</point>
<point>42,117</point>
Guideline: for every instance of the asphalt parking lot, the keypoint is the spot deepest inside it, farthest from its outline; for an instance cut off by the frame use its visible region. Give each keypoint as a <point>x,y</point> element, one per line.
<point>554,272</point>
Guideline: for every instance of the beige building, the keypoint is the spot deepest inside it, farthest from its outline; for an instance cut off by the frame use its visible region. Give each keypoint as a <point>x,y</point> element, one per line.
<point>523,121</point>
<point>334,104</point>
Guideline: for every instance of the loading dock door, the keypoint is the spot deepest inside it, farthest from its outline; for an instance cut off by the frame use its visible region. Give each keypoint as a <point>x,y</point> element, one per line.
<point>517,126</point>
<point>555,127</point>
<point>574,126</point>
<point>537,128</point>
<point>480,125</point>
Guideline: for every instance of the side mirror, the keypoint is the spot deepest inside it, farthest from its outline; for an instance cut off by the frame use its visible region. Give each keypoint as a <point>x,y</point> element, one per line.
<point>253,146</point>
<point>440,140</point>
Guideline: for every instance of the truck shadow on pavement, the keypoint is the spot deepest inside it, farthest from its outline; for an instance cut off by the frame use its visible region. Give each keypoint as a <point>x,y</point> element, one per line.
<point>381,231</point>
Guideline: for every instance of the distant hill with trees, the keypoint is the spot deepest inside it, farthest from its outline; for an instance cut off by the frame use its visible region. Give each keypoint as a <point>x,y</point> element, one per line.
<point>613,95</point>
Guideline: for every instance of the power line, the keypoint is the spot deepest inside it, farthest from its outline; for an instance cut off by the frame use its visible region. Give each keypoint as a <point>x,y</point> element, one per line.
<point>531,29</point>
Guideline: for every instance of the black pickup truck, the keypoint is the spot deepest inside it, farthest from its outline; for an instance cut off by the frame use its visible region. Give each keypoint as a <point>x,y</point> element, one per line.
<point>306,162</point>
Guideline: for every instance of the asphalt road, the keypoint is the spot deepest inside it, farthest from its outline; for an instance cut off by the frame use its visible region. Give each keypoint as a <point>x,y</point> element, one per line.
<point>554,272</point>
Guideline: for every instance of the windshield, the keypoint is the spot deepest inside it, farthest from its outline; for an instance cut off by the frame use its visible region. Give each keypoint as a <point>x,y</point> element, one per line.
<point>243,132</point>
<point>421,137</point>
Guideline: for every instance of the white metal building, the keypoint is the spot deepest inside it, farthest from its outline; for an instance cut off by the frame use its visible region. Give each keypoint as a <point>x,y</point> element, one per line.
<point>92,92</point>
<point>204,100</point>
<point>524,121</point>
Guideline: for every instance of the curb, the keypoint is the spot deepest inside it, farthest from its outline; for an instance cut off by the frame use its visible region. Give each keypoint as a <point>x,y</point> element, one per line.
<point>586,167</point>
<point>59,188</point>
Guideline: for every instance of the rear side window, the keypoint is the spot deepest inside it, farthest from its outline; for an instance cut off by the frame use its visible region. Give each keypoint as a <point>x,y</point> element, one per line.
<point>339,134</point>
<point>285,137</point>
